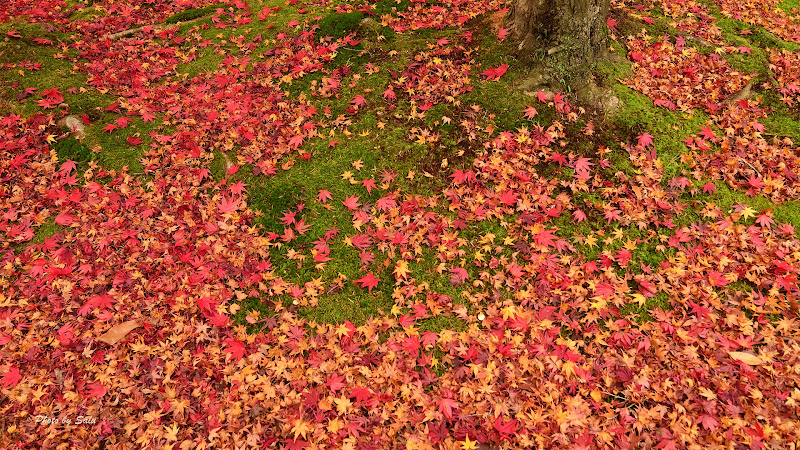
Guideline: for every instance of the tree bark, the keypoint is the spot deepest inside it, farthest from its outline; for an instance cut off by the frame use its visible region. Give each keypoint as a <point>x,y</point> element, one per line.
<point>572,30</point>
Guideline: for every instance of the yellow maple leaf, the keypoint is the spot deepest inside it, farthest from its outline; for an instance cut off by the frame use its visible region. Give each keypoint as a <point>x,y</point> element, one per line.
<point>748,213</point>
<point>469,445</point>
<point>301,428</point>
<point>401,270</point>
<point>172,433</point>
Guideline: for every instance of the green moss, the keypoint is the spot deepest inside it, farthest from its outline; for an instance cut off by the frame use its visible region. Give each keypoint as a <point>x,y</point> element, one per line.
<point>70,148</point>
<point>642,314</point>
<point>191,14</point>
<point>338,25</point>
<point>390,7</point>
<point>45,231</point>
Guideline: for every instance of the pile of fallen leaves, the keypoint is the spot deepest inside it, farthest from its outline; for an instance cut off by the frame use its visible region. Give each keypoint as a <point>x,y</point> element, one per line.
<point>124,315</point>
<point>678,78</point>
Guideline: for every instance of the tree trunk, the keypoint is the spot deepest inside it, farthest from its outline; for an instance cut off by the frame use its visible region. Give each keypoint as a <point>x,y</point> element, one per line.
<point>572,30</point>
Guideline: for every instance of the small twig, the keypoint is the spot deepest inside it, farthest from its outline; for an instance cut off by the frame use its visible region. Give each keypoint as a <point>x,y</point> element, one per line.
<point>156,27</point>
<point>694,38</point>
<point>617,396</point>
<point>751,166</point>
<point>131,31</point>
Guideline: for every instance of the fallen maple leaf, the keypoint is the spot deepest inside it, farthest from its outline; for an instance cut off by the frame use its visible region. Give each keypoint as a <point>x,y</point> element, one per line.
<point>296,141</point>
<point>368,281</point>
<point>709,188</point>
<point>64,219</point>
<point>583,164</point>
<point>351,202</point>
<point>543,96</point>
<point>401,270</point>
<point>359,100</point>
<point>228,205</point>
<point>12,377</point>
<point>645,139</point>
<point>446,407</point>
<point>323,196</point>
<point>134,141</point>
<point>495,73</point>
<point>235,348</point>
<point>458,275</point>
<point>503,33</point>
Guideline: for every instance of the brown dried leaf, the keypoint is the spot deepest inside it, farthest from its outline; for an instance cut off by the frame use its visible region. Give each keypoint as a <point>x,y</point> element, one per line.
<point>747,358</point>
<point>119,331</point>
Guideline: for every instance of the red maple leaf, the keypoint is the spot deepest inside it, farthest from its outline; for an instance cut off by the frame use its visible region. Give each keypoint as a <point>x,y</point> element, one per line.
<point>323,196</point>
<point>335,382</point>
<point>709,188</point>
<point>64,219</point>
<point>530,112</point>
<point>366,258</point>
<point>495,73</point>
<point>122,122</point>
<point>351,202</point>
<point>764,220</point>
<point>755,182</point>
<point>612,214</point>
<point>369,184</point>
<point>515,270</point>
<point>147,116</point>
<point>385,203</point>
<point>361,241</point>
<point>235,348</point>
<point>546,238</point>
<point>543,96</point>
<point>503,33</point>
<point>717,279</point>
<point>296,141</point>
<point>505,428</point>
<point>96,390</point>
<point>707,133</point>
<point>446,407</point>
<point>708,422</point>
<point>12,377</point>
<point>361,393</point>
<point>645,139</point>
<point>359,100</point>
<point>508,197</point>
<point>583,164</point>
<point>134,141</point>
<point>458,275</point>
<point>228,205</point>
<point>368,281</point>
<point>238,188</point>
